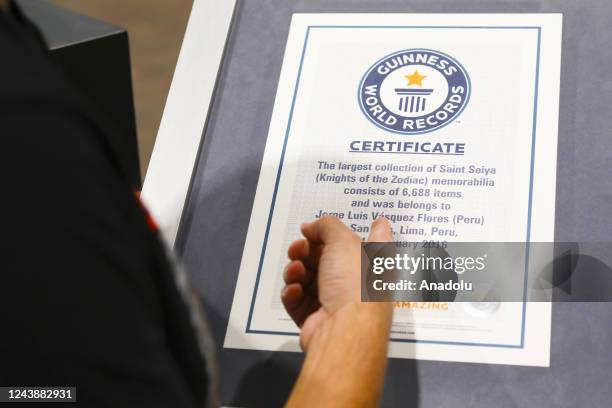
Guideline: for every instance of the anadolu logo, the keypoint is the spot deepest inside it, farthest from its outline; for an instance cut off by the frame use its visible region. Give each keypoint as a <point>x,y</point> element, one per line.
<point>414,91</point>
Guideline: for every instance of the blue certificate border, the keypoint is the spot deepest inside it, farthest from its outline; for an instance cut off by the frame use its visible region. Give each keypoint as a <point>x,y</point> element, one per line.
<point>282,158</point>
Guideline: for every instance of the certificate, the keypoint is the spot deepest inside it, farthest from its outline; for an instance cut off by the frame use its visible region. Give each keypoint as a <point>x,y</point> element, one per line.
<point>444,123</point>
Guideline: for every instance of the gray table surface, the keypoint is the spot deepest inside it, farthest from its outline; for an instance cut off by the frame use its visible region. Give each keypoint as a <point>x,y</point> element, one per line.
<point>216,216</point>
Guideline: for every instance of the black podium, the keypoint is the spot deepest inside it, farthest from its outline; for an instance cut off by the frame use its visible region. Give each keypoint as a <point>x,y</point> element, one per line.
<point>96,57</point>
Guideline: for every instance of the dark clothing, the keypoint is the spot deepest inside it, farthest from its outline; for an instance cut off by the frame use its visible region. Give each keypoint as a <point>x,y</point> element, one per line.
<point>87,296</point>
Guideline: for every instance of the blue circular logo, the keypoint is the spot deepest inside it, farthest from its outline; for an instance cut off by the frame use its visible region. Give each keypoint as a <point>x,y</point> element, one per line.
<point>414,91</point>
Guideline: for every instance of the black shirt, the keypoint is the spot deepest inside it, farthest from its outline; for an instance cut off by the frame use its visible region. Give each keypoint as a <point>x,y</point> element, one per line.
<point>87,295</point>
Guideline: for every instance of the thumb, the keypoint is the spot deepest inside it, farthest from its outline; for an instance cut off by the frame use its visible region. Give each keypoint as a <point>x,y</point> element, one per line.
<point>380,231</point>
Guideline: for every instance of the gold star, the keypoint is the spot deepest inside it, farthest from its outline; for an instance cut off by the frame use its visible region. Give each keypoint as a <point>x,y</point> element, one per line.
<point>415,78</point>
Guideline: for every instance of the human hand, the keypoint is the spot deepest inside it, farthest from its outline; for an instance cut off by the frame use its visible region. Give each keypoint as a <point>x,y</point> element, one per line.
<point>323,277</point>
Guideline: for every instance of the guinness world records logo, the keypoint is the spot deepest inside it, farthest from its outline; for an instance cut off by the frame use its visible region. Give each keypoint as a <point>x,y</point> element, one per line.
<point>414,91</point>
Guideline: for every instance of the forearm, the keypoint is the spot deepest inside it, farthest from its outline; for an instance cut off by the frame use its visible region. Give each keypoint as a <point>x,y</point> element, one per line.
<point>346,360</point>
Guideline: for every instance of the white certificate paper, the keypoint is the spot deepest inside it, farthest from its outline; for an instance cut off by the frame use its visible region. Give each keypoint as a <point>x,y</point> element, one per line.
<point>444,123</point>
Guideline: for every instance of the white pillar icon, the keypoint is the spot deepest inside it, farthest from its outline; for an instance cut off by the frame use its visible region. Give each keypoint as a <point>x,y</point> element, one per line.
<point>412,100</point>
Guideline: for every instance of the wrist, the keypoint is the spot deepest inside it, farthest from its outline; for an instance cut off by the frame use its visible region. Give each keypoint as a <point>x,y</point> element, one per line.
<point>362,321</point>
<point>371,313</point>
<point>350,346</point>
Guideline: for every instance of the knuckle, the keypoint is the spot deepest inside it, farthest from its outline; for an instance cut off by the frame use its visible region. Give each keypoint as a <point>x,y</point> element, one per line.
<point>330,221</point>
